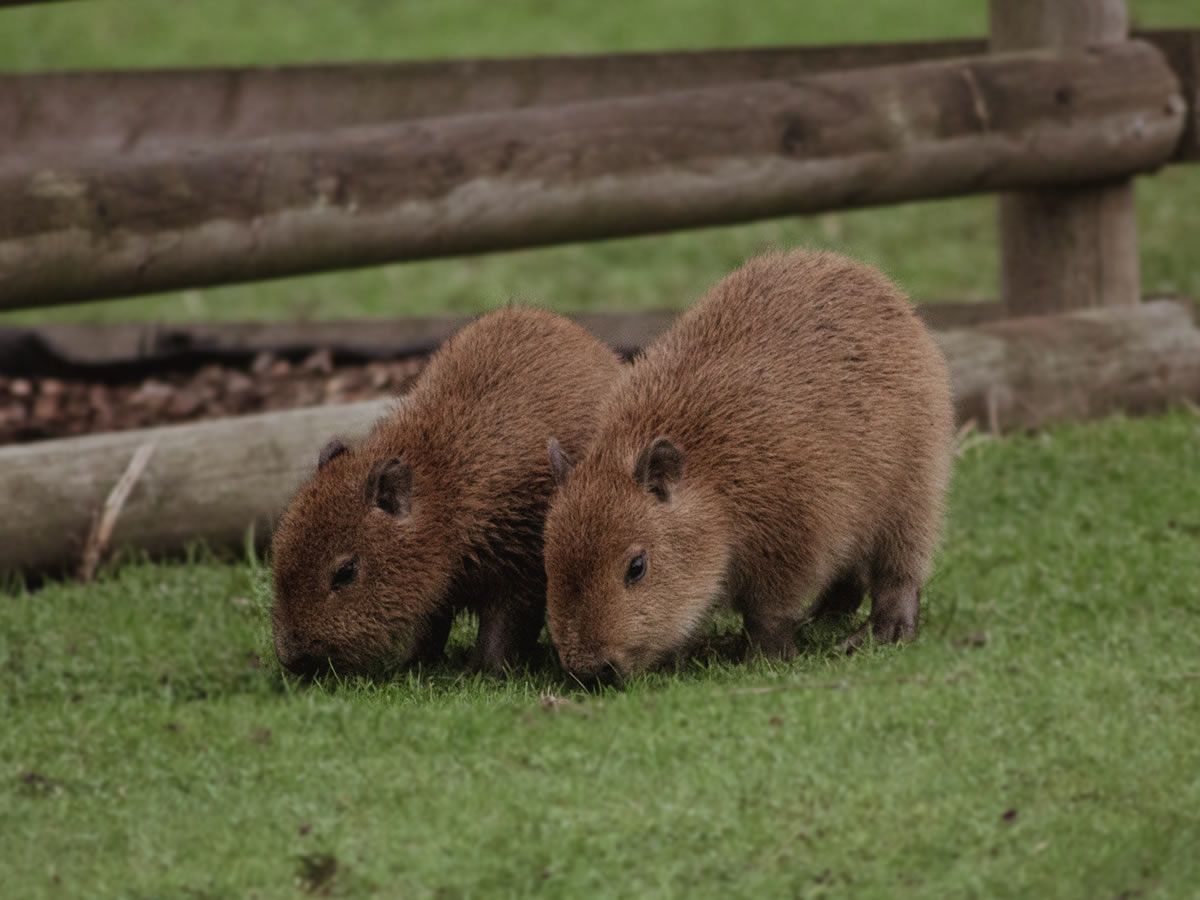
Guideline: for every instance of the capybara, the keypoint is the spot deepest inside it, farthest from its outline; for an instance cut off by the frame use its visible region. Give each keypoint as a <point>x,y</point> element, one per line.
<point>441,507</point>
<point>789,439</point>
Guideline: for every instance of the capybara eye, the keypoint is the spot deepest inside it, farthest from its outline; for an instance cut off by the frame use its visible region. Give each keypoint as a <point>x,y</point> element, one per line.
<point>637,568</point>
<point>345,574</point>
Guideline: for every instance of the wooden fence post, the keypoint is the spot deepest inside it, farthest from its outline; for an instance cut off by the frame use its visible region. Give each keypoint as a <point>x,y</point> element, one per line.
<point>1064,249</point>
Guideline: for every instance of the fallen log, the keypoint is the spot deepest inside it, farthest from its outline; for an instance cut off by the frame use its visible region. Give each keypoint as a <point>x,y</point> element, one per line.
<point>105,226</point>
<point>1029,372</point>
<point>209,482</point>
<point>212,481</point>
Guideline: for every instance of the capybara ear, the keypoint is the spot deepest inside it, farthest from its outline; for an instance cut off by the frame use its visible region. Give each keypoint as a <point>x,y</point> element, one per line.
<point>659,467</point>
<point>561,465</point>
<point>390,487</point>
<point>333,449</point>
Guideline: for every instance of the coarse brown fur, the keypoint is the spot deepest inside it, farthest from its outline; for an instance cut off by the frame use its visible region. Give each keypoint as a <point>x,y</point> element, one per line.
<point>790,438</point>
<point>441,507</point>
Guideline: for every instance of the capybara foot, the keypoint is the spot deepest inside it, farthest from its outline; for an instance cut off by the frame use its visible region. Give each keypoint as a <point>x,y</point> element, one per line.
<point>894,617</point>
<point>507,638</point>
<point>773,639</point>
<point>842,598</point>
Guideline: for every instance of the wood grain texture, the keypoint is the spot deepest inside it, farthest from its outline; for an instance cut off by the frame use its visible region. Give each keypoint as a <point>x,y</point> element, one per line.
<point>57,113</point>
<point>213,481</point>
<point>106,226</point>
<point>129,111</point>
<point>1028,372</point>
<point>1066,248</point>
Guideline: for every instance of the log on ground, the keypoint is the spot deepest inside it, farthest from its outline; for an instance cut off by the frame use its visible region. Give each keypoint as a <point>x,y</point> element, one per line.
<point>111,226</point>
<point>1029,372</point>
<point>212,481</point>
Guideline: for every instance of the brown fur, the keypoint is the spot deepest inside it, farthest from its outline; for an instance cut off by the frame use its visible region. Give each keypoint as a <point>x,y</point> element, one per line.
<point>790,438</point>
<point>441,507</point>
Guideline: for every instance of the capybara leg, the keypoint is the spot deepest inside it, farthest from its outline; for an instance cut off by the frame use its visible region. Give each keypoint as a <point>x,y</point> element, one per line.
<point>771,636</point>
<point>842,598</point>
<point>898,569</point>
<point>895,611</point>
<point>431,648</point>
<point>508,634</point>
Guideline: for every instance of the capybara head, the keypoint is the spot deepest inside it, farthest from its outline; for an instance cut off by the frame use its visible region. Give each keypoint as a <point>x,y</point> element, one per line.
<point>357,565</point>
<point>635,552</point>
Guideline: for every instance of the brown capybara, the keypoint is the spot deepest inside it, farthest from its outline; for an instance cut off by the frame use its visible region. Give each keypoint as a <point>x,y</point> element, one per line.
<point>441,507</point>
<point>789,438</point>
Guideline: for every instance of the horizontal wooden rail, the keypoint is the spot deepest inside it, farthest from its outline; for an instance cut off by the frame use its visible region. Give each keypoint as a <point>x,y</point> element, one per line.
<point>137,109</point>
<point>214,480</point>
<point>131,110</point>
<point>106,227</point>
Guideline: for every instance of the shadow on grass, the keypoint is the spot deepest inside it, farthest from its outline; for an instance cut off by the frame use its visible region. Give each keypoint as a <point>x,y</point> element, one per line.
<point>721,650</point>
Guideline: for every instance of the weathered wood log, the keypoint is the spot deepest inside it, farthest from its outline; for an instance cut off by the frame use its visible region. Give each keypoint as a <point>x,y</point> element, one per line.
<point>109,227</point>
<point>1182,51</point>
<point>214,480</point>
<point>1029,372</point>
<point>1068,248</point>
<point>127,111</point>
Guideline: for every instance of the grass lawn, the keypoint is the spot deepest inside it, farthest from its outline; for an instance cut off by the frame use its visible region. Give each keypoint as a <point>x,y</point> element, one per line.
<point>1042,739</point>
<point>942,250</point>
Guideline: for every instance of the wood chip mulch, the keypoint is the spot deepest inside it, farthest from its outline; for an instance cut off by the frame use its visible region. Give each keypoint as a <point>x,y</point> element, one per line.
<point>34,409</point>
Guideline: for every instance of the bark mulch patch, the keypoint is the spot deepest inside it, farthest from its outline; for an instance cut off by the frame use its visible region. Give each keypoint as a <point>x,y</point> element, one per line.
<point>39,408</point>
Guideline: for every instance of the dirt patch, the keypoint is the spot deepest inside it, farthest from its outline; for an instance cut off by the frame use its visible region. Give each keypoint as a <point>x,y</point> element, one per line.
<point>34,409</point>
<point>315,873</point>
<point>36,784</point>
<point>260,736</point>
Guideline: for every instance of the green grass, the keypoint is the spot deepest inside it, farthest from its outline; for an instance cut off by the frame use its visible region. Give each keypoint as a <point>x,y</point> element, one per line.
<point>942,250</point>
<point>1040,740</point>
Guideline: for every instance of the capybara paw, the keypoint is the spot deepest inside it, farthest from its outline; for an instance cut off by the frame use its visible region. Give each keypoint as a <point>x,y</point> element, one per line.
<point>487,664</point>
<point>775,644</point>
<point>883,629</point>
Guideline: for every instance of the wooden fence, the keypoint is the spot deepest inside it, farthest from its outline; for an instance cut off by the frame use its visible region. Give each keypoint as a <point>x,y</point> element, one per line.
<point>132,182</point>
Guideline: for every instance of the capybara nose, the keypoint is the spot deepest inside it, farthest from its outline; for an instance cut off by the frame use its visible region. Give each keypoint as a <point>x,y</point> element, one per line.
<point>306,665</point>
<point>601,674</point>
